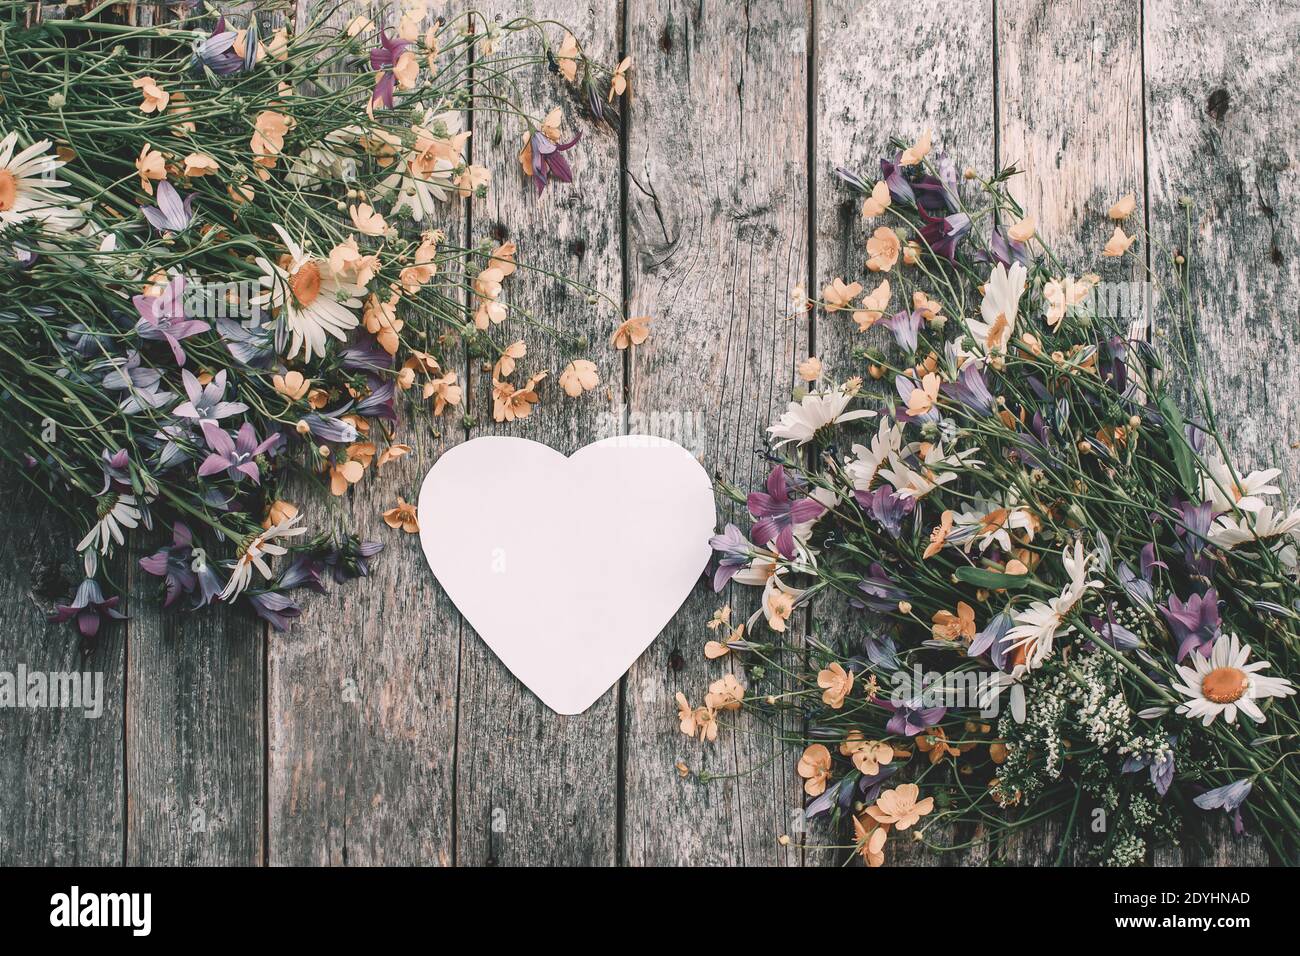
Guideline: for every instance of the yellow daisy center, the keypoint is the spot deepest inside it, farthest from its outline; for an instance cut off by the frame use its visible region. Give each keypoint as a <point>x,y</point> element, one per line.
<point>1224,685</point>
<point>306,283</point>
<point>8,190</point>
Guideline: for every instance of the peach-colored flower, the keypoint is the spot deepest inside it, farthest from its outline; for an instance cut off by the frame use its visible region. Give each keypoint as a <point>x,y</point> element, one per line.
<point>347,257</point>
<point>155,97</point>
<point>948,626</point>
<point>474,178</point>
<point>402,515</point>
<point>726,693</point>
<point>871,841</point>
<point>922,398</point>
<point>900,807</point>
<point>778,605</point>
<point>934,741</point>
<point>407,70</point>
<point>634,331</point>
<point>911,252</point>
<point>267,141</point>
<point>1123,208</point>
<point>882,249</point>
<point>359,24</point>
<point>840,295</point>
<point>939,536</point>
<point>1117,244</point>
<point>198,164</point>
<point>696,721</point>
<point>505,365</point>
<point>279,512</point>
<point>382,322</point>
<point>566,58</point>
<point>835,683</point>
<point>873,306</point>
<point>502,258</point>
<point>721,618</point>
<point>715,649</point>
<point>579,376</point>
<point>815,768</point>
<point>917,151</point>
<point>1022,231</point>
<point>431,45</point>
<point>392,453</point>
<point>444,392</point>
<point>292,385</point>
<point>151,167</point>
<point>876,204</point>
<point>810,369</point>
<point>618,82</point>
<point>366,220</point>
<point>510,403</point>
<point>867,755</point>
<point>345,474</point>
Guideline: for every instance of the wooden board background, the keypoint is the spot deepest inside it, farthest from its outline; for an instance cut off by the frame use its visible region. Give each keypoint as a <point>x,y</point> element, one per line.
<point>380,730</point>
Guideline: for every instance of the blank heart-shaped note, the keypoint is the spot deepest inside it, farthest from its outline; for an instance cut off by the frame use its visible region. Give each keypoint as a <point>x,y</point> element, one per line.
<point>567,567</point>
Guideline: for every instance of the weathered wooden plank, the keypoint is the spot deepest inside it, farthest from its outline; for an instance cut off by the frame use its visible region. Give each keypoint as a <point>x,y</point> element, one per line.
<point>362,690</point>
<point>532,786</point>
<point>1220,111</point>
<point>1069,78</point>
<point>925,66</point>
<point>61,772</point>
<point>194,723</point>
<point>717,235</point>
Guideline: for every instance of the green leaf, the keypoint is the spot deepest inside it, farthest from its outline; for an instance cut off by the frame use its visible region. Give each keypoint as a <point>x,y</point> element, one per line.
<point>982,577</point>
<point>1183,459</point>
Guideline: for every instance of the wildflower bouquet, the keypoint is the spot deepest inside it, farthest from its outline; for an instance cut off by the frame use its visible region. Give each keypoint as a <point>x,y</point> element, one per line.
<point>222,264</point>
<point>1059,591</point>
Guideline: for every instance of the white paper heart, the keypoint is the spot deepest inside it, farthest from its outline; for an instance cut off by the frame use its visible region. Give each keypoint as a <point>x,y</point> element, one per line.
<point>567,567</point>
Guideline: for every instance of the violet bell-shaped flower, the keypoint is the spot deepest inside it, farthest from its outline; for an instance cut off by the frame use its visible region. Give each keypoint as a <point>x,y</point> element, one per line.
<point>778,513</point>
<point>544,160</point>
<point>237,457</point>
<point>162,318</point>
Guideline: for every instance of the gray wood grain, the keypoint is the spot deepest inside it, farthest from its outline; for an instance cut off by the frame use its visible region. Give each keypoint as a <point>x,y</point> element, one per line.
<point>926,65</point>
<point>194,718</point>
<point>362,691</point>
<point>61,773</point>
<point>385,730</point>
<point>1215,135</point>
<point>1078,153</point>
<point>533,786</point>
<point>717,238</point>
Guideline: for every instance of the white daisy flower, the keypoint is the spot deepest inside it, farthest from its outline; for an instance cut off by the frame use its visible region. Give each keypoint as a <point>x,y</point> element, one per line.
<point>1031,640</point>
<point>255,555</point>
<point>26,187</point>
<point>1262,524</point>
<point>802,420</point>
<point>1225,684</point>
<point>988,522</point>
<point>311,299</point>
<point>121,513</point>
<point>1002,294</point>
<point>934,467</point>
<point>862,470</point>
<point>1227,492</point>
